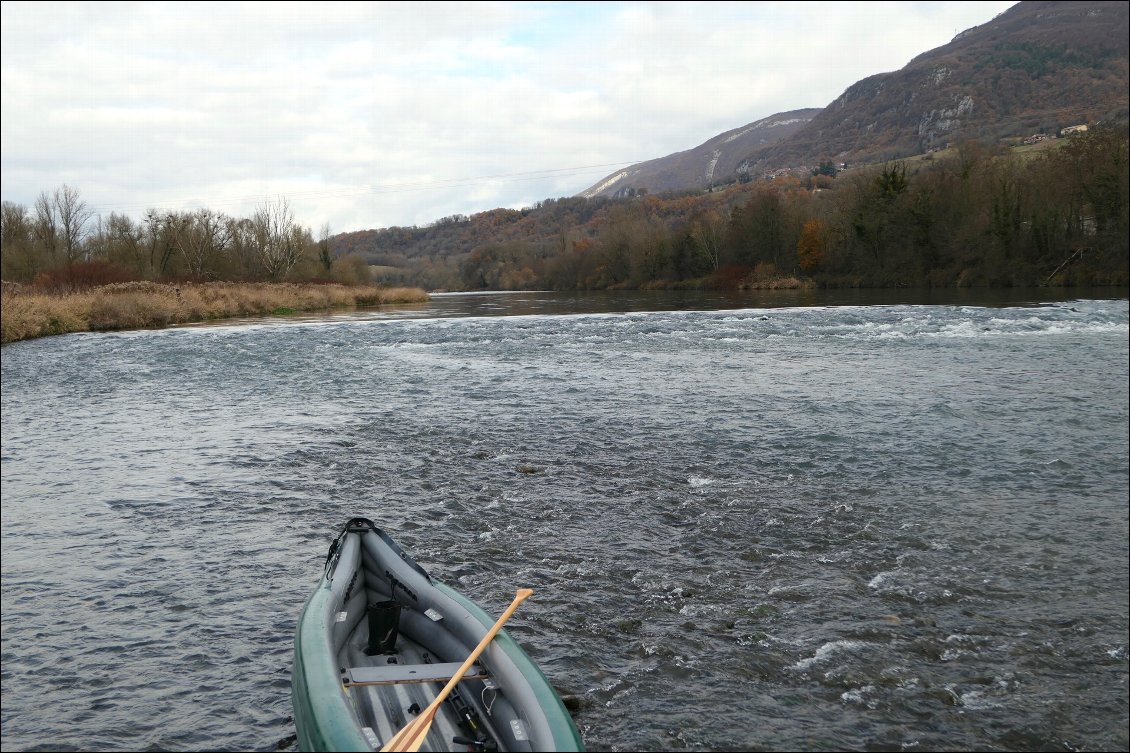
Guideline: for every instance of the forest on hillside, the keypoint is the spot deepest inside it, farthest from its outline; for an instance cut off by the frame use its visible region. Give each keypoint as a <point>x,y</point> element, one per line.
<point>976,215</point>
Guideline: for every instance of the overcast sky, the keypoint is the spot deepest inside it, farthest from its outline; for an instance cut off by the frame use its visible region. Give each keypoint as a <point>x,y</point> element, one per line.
<point>367,115</point>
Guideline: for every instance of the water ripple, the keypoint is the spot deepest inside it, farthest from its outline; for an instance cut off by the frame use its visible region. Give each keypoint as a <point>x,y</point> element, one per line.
<point>824,528</point>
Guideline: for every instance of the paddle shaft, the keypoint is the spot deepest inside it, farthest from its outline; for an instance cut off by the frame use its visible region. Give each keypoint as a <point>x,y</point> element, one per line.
<point>412,735</point>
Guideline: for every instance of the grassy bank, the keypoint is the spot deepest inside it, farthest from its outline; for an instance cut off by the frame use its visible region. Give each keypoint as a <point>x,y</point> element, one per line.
<point>26,313</point>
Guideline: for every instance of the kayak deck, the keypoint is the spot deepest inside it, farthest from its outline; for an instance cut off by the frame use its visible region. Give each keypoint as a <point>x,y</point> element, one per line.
<point>386,703</point>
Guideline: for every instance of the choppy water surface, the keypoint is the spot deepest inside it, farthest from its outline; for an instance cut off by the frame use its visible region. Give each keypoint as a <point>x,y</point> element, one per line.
<point>877,527</point>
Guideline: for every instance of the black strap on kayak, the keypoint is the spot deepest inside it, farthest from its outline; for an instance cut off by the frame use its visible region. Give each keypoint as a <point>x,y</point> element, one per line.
<point>355,525</point>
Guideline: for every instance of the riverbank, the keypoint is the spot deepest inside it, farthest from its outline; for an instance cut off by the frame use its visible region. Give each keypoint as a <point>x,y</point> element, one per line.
<point>26,314</point>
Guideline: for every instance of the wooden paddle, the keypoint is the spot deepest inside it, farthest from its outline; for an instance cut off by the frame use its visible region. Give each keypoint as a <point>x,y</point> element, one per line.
<point>412,735</point>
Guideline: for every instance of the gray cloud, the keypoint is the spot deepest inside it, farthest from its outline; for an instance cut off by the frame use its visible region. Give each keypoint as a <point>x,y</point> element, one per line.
<point>370,115</point>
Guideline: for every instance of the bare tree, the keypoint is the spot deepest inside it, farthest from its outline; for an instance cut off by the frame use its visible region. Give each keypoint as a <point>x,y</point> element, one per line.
<point>278,239</point>
<point>15,224</point>
<point>205,236</point>
<point>165,228</point>
<point>47,226</point>
<point>708,229</point>
<point>73,215</point>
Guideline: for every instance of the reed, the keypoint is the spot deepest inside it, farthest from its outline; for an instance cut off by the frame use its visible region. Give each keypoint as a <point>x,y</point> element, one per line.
<point>26,313</point>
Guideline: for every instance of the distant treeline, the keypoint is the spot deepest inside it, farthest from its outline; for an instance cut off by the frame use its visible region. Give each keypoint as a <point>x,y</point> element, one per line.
<point>61,244</point>
<point>971,216</point>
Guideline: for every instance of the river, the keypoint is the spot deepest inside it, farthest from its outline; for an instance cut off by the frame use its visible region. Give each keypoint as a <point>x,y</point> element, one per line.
<point>784,521</point>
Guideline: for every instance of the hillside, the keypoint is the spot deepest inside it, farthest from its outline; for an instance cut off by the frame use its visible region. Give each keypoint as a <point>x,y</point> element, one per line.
<point>698,168</point>
<point>1037,67</point>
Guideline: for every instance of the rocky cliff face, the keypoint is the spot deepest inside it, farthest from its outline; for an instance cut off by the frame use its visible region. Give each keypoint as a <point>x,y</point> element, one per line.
<point>1039,66</point>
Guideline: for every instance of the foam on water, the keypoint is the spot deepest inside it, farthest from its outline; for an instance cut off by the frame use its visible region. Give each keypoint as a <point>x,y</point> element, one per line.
<point>829,650</point>
<point>848,524</point>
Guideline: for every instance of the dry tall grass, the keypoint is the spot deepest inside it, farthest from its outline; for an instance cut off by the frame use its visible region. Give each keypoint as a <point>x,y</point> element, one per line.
<point>26,314</point>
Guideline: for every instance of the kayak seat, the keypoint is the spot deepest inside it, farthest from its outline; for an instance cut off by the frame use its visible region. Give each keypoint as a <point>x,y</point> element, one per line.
<point>396,674</point>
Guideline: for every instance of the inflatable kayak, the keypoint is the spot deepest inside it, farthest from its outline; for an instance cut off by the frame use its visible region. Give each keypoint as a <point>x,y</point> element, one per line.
<point>380,640</point>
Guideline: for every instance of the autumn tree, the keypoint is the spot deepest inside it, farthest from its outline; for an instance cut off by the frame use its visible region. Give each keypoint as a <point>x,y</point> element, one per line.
<point>350,269</point>
<point>325,252</point>
<point>512,265</point>
<point>812,246</point>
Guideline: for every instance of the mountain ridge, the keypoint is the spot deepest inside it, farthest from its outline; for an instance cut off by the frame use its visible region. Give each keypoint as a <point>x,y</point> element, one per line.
<point>717,156</point>
<point>1039,66</point>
